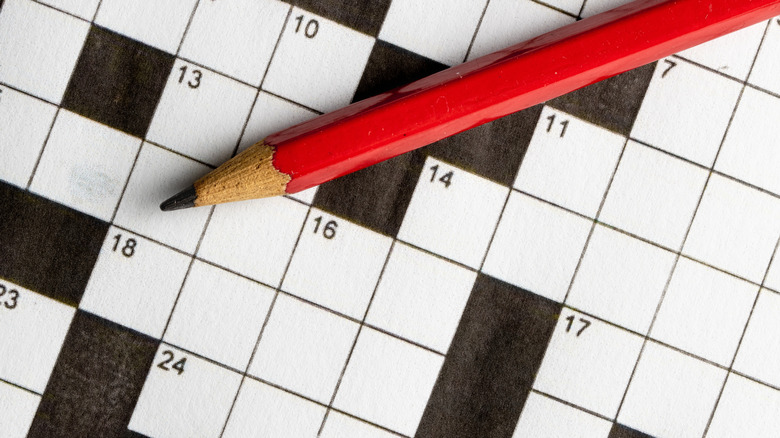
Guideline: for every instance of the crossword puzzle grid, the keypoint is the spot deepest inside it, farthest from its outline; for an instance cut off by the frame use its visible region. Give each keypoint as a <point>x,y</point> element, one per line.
<point>620,283</point>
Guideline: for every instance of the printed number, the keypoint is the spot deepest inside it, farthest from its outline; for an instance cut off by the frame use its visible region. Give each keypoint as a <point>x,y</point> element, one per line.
<point>445,179</point>
<point>328,231</point>
<point>564,124</point>
<point>570,325</point>
<point>177,366</point>
<point>672,65</point>
<point>8,302</point>
<point>194,81</point>
<point>311,28</point>
<point>128,250</point>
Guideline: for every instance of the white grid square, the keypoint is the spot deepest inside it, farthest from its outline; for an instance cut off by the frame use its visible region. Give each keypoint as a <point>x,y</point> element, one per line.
<point>329,60</point>
<point>34,329</point>
<point>271,114</point>
<point>422,28</point>
<point>339,425</point>
<point>55,40</point>
<point>421,297</point>
<point>570,168</point>
<point>621,279</point>
<point>24,125</point>
<point>671,114</point>
<point>226,329</point>
<point>157,175</point>
<point>324,266</point>
<point>671,394</point>
<point>134,284</point>
<point>452,213</point>
<point>500,25</point>
<point>201,113</point>
<point>746,408</point>
<point>85,165</point>
<point>235,37</point>
<point>544,417</point>
<point>704,312</point>
<point>303,349</point>
<point>588,381</point>
<point>264,411</point>
<point>731,54</point>
<point>750,151</point>
<point>388,381</point>
<point>537,246</point>
<point>18,407</point>
<point>759,352</point>
<point>766,70</point>
<point>254,238</point>
<point>158,23</point>
<point>654,195</point>
<point>184,395</point>
<point>735,229</point>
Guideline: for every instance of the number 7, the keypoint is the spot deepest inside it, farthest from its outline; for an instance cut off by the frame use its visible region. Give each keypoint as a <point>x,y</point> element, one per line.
<point>672,65</point>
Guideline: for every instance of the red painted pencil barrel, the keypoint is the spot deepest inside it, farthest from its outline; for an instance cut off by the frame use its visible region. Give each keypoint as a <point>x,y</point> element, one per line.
<point>504,82</point>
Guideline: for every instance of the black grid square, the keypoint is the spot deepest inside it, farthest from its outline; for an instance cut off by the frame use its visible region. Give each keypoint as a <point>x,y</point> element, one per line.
<point>376,197</point>
<point>46,247</point>
<point>612,103</point>
<point>493,150</point>
<point>620,431</point>
<point>492,362</point>
<point>96,382</point>
<point>118,81</point>
<point>390,67</point>
<point>363,197</point>
<point>361,15</point>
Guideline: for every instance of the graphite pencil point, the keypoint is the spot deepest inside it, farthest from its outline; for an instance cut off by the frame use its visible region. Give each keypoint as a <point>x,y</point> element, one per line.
<point>184,199</point>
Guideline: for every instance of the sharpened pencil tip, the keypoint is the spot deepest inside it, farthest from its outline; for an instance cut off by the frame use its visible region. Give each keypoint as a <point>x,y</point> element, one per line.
<point>184,199</point>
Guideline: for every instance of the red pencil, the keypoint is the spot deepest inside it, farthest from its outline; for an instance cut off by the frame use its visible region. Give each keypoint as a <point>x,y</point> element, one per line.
<point>469,95</point>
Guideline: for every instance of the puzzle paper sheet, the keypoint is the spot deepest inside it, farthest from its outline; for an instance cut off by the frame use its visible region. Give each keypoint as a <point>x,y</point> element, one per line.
<point>602,265</point>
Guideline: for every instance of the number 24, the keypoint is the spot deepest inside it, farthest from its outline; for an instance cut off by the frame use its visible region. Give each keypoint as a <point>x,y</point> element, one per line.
<point>177,366</point>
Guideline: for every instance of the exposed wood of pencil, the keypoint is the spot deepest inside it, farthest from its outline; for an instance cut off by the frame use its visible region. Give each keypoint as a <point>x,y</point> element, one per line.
<point>249,175</point>
<point>471,94</point>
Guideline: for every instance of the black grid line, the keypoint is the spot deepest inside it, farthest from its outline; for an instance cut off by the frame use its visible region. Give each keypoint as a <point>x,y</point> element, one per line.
<point>357,335</point>
<point>211,209</point>
<point>443,258</point>
<point>20,387</point>
<point>556,8</point>
<point>267,318</point>
<point>43,148</point>
<point>127,182</point>
<point>741,338</point>
<point>262,81</point>
<point>687,232</point>
<point>570,404</point>
<point>260,380</point>
<point>582,9</point>
<point>476,31</point>
<point>471,269</point>
<point>279,290</point>
<point>595,220</point>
